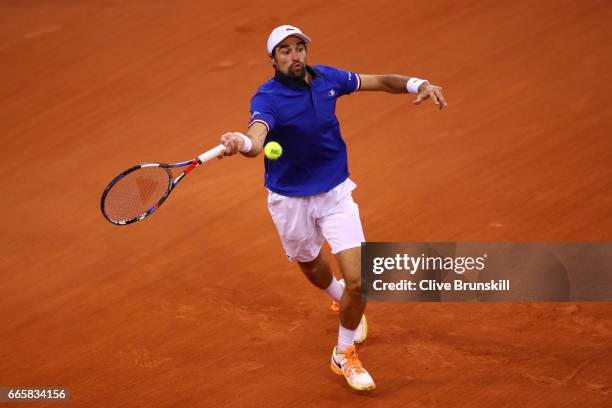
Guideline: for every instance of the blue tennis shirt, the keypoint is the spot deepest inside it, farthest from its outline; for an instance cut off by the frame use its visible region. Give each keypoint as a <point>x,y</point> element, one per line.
<point>302,118</point>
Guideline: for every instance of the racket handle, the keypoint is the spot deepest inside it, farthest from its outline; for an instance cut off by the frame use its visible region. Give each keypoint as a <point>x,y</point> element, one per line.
<point>211,154</point>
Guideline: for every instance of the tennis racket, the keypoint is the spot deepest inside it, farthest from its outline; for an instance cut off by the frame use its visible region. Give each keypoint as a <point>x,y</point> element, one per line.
<point>138,191</point>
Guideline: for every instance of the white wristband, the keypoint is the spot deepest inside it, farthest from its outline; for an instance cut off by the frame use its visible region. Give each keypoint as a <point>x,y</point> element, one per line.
<point>413,85</point>
<point>248,144</point>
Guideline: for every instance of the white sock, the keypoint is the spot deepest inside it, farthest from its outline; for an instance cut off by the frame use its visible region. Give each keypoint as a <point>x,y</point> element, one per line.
<point>335,290</point>
<point>345,339</point>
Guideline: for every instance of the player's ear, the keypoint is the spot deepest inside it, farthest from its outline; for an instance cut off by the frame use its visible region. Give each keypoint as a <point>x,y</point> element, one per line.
<point>273,61</point>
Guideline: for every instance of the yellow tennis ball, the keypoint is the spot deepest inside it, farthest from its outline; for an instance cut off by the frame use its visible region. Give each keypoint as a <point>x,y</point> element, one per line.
<point>273,150</point>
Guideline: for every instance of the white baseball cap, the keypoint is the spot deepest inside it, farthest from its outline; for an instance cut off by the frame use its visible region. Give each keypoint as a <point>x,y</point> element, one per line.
<point>281,32</point>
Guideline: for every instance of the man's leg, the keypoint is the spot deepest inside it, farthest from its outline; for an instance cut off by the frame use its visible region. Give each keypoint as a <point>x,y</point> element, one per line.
<point>351,305</point>
<point>318,272</point>
<point>344,357</point>
<point>341,226</point>
<point>353,324</point>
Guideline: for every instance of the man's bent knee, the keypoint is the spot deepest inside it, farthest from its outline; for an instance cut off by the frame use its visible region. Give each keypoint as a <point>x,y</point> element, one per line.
<point>317,272</point>
<point>353,287</point>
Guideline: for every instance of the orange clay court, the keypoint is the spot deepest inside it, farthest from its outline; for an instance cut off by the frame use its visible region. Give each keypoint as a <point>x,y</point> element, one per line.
<point>197,305</point>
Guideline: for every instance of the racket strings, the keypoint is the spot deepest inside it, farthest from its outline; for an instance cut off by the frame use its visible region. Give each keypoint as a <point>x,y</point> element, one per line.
<point>136,193</point>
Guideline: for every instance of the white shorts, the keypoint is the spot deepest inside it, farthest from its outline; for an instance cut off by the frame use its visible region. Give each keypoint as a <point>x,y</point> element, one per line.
<point>303,223</point>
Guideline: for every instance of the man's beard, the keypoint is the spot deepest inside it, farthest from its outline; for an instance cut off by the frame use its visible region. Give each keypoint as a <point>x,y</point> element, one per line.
<point>298,72</point>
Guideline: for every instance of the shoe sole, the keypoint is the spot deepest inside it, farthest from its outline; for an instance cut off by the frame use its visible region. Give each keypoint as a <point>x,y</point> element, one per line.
<point>365,331</point>
<point>338,371</point>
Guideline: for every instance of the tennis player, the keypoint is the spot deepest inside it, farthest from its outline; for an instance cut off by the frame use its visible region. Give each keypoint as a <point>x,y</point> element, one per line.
<point>309,190</point>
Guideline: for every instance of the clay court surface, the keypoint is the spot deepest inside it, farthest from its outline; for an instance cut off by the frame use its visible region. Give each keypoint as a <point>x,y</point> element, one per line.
<point>197,305</point>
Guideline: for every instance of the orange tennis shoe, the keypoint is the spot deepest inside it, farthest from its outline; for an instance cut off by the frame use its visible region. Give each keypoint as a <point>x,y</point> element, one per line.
<point>348,365</point>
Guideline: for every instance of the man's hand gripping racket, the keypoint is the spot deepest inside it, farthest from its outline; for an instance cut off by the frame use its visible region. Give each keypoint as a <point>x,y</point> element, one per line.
<point>138,191</point>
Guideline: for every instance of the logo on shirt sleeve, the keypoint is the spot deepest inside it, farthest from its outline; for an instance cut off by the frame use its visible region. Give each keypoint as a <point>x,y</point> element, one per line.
<point>255,114</point>
<point>331,92</point>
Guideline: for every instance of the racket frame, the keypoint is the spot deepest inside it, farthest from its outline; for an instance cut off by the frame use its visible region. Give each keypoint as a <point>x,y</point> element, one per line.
<point>190,165</point>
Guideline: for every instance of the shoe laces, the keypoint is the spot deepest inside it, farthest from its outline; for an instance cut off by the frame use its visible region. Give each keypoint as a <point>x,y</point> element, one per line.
<point>352,361</point>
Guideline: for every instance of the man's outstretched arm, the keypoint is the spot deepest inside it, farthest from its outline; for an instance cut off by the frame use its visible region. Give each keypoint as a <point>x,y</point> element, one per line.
<point>392,83</point>
<point>237,142</point>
